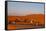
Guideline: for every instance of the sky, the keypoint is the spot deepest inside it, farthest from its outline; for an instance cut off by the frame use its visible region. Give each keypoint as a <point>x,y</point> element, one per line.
<point>23,9</point>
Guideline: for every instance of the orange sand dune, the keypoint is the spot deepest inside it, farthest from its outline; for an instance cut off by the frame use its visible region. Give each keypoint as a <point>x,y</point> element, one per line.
<point>11,27</point>
<point>33,17</point>
<point>30,19</point>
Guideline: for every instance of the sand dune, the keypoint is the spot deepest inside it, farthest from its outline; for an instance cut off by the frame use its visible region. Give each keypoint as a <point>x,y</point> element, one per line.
<point>30,20</point>
<point>33,17</point>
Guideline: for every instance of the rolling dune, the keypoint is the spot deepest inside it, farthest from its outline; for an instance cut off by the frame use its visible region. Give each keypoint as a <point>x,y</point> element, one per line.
<point>29,19</point>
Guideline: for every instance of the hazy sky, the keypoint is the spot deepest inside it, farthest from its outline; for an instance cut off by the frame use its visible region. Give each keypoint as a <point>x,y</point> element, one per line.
<point>22,9</point>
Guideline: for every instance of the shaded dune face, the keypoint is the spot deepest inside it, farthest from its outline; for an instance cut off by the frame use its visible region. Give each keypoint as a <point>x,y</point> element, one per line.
<point>11,18</point>
<point>29,18</point>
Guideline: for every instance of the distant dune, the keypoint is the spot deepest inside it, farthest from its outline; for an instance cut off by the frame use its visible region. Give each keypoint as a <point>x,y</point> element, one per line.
<point>33,17</point>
